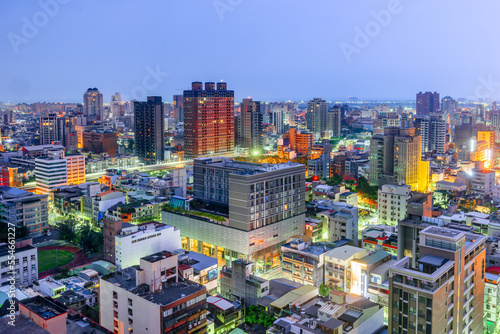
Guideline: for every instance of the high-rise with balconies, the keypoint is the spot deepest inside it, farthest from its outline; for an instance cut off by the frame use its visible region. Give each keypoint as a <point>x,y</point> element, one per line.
<point>149,128</point>
<point>444,291</point>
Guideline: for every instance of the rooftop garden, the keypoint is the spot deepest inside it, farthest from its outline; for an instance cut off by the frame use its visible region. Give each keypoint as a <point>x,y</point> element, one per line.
<point>169,208</point>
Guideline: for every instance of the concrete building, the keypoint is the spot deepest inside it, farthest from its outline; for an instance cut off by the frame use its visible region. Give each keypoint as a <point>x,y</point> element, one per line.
<point>51,129</point>
<point>75,169</point>
<point>427,103</point>
<point>303,263</point>
<point>137,241</point>
<point>251,125</point>
<point>100,141</point>
<point>392,203</point>
<point>334,120</point>
<point>20,207</point>
<point>395,157</point>
<point>491,300</point>
<point>444,292</point>
<point>198,268</point>
<point>238,283</point>
<point>50,173</point>
<point>149,129</point>
<point>25,263</point>
<point>151,298</point>
<point>343,222</point>
<point>362,269</point>
<point>482,180</point>
<point>93,103</point>
<point>316,117</point>
<point>338,266</point>
<point>46,313</point>
<point>259,208</point>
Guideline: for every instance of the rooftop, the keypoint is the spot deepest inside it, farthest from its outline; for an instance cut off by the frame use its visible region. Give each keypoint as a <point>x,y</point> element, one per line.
<point>344,252</point>
<point>44,307</point>
<point>157,256</point>
<point>374,257</point>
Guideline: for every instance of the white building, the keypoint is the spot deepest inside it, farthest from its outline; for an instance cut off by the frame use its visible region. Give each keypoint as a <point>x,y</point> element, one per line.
<point>491,300</point>
<point>343,222</point>
<point>392,202</point>
<point>25,263</point>
<point>338,266</point>
<point>141,240</point>
<point>482,180</point>
<point>50,173</point>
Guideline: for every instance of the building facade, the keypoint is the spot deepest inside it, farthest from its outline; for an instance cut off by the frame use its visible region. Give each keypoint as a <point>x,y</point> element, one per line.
<point>149,128</point>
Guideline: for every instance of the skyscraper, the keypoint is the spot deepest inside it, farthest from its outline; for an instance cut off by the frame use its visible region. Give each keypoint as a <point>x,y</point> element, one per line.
<point>448,105</point>
<point>117,107</point>
<point>277,117</point>
<point>334,120</point>
<point>208,120</point>
<point>427,102</point>
<point>395,157</point>
<point>178,106</point>
<point>433,131</point>
<point>444,292</point>
<point>51,128</point>
<point>92,102</point>
<point>317,110</point>
<point>149,130</point>
<point>250,124</point>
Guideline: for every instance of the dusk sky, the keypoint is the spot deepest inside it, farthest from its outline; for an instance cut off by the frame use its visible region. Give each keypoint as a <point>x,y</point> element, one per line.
<point>265,49</point>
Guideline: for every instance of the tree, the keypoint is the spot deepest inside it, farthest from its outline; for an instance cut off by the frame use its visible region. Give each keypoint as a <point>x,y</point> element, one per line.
<point>67,230</point>
<point>64,270</point>
<point>91,239</point>
<point>335,180</point>
<point>324,290</point>
<point>22,231</point>
<point>466,205</point>
<point>131,144</point>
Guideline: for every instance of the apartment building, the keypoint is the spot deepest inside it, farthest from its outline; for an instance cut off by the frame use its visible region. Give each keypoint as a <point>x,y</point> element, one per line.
<point>338,266</point>
<point>303,263</point>
<point>150,298</point>
<point>238,282</point>
<point>444,292</point>
<point>25,265</point>
<point>491,300</point>
<point>392,203</point>
<point>20,207</point>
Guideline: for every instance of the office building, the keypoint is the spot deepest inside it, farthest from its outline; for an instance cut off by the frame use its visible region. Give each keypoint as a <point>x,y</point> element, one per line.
<point>395,157</point>
<point>149,128</point>
<point>178,108</point>
<point>259,208</point>
<point>93,103</point>
<point>100,141</point>
<point>250,130</point>
<point>316,117</point>
<point>277,118</point>
<point>137,241</point>
<point>334,120</point>
<point>50,172</point>
<point>427,103</point>
<point>444,291</point>
<point>151,298</point>
<point>208,120</point>
<point>433,131</point>
<point>392,203</point>
<point>117,107</point>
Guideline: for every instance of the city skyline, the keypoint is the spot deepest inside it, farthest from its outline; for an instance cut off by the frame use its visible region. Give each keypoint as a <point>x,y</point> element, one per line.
<point>71,47</point>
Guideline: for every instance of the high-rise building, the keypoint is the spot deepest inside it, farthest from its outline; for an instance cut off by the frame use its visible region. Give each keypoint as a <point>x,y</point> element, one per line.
<point>392,202</point>
<point>52,129</point>
<point>444,292</point>
<point>260,207</point>
<point>433,130</point>
<point>178,108</point>
<point>299,141</point>
<point>448,105</point>
<point>208,120</point>
<point>427,103</point>
<point>149,129</point>
<point>250,125</point>
<point>50,172</point>
<point>75,167</point>
<point>277,117</point>
<point>117,107</point>
<point>316,117</point>
<point>395,157</point>
<point>334,120</point>
<point>92,102</point>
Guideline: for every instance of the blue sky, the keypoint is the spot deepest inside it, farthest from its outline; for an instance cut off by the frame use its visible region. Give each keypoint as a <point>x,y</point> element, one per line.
<point>265,49</point>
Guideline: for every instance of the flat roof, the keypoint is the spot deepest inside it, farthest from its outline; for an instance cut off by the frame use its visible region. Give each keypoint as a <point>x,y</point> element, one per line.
<point>373,258</point>
<point>292,295</point>
<point>344,252</point>
<point>220,303</point>
<point>432,260</point>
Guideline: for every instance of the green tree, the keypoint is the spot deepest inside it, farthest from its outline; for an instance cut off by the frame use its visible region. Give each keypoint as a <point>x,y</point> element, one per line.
<point>22,231</point>
<point>324,290</point>
<point>466,205</point>
<point>335,180</point>
<point>64,271</point>
<point>90,238</point>
<point>67,230</point>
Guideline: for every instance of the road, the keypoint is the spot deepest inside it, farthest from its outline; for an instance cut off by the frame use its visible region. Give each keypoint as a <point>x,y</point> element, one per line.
<point>150,168</point>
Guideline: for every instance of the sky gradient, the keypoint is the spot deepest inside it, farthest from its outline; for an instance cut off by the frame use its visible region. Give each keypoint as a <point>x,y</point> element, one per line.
<point>265,49</point>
